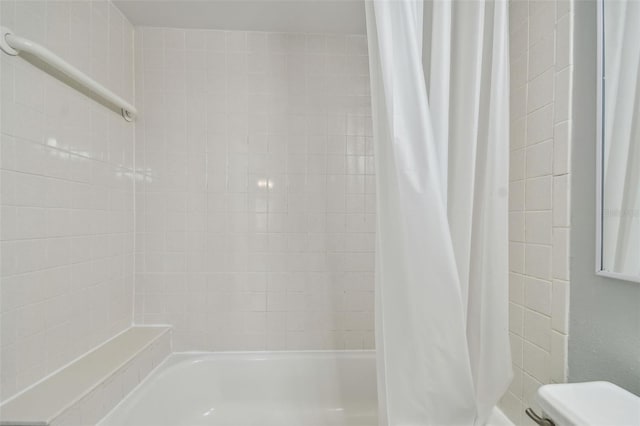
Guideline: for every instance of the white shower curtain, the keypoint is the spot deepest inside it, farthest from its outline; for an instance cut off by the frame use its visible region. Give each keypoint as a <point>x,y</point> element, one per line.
<point>441,149</point>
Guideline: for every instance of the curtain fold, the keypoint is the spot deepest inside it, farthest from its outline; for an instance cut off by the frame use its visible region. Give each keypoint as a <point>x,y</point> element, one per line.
<point>441,150</point>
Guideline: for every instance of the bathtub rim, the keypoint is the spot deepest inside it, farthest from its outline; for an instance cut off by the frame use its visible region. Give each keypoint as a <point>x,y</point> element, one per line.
<point>177,358</point>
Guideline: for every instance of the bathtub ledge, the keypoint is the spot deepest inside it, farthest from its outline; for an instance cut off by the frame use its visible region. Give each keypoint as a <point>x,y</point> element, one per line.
<point>84,391</point>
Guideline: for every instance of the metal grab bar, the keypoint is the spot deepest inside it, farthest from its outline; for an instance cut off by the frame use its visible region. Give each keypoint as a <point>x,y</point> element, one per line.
<point>12,44</point>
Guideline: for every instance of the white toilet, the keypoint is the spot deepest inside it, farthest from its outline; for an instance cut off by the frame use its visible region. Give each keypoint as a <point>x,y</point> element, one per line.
<point>586,404</point>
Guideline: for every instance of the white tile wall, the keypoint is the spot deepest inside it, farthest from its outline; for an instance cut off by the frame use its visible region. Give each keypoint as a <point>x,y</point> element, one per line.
<point>255,197</point>
<point>66,207</point>
<point>539,197</point>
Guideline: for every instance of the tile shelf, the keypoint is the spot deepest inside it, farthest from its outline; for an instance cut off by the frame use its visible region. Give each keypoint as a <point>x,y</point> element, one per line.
<point>85,390</point>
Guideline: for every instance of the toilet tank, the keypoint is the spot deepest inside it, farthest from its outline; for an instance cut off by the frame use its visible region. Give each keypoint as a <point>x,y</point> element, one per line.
<point>589,404</point>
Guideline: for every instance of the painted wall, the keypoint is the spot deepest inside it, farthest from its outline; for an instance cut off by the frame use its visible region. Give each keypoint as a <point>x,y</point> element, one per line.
<point>605,313</point>
<point>539,224</point>
<point>66,207</point>
<point>255,209</point>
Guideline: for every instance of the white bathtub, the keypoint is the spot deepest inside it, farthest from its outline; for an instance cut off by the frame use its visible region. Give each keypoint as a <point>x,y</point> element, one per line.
<point>257,388</point>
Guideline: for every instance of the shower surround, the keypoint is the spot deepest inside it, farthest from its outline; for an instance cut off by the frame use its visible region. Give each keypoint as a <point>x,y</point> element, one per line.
<point>230,268</point>
<point>67,230</point>
<point>255,198</point>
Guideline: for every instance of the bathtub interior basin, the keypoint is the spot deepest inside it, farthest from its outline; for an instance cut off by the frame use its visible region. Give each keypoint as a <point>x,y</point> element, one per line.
<point>307,388</point>
<point>253,388</point>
